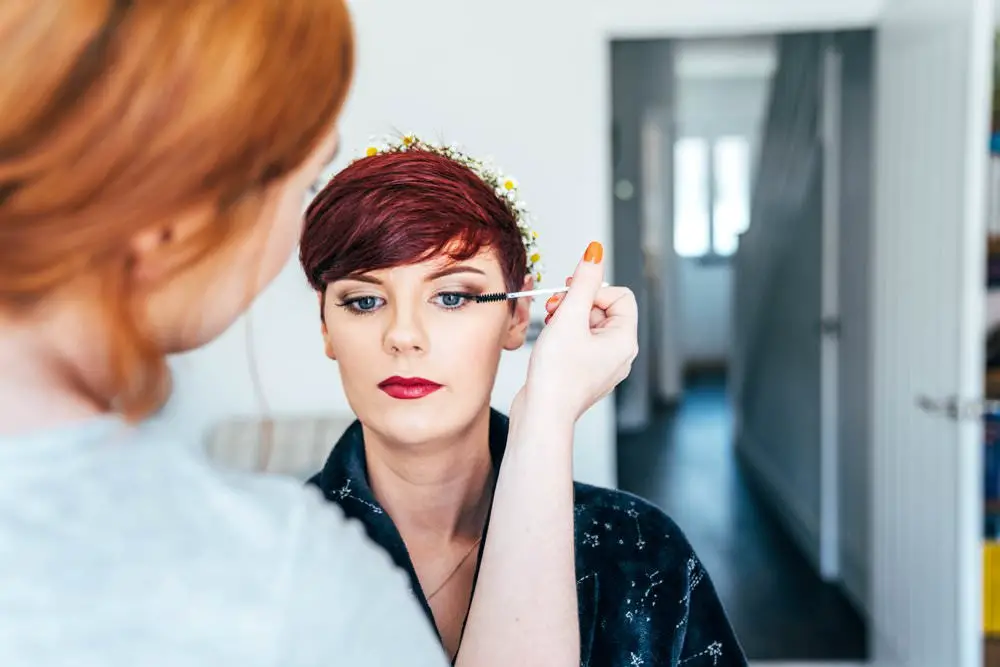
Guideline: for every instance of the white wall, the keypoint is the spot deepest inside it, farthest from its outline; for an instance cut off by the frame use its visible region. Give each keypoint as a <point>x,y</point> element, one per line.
<point>527,81</point>
<point>642,18</point>
<point>706,296</point>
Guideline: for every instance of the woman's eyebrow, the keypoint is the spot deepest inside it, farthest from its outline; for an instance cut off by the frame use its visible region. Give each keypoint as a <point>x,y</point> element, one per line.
<point>361,278</point>
<point>452,270</point>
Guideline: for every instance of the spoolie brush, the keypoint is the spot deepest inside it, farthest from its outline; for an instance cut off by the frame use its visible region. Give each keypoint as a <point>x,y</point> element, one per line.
<point>505,296</point>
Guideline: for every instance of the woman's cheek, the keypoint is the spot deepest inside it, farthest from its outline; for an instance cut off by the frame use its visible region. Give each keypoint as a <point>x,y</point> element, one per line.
<point>474,333</point>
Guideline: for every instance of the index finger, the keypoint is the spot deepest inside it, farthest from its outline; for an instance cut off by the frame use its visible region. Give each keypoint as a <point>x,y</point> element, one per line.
<point>617,302</point>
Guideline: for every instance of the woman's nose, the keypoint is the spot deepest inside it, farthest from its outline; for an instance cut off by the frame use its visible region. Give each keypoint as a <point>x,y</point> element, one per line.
<point>405,332</point>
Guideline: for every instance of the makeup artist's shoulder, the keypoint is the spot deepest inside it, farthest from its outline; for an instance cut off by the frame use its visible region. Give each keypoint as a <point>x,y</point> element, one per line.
<point>280,549</point>
<point>340,580</point>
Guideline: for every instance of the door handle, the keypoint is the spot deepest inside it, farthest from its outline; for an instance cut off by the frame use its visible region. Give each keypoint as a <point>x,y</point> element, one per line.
<point>954,409</point>
<point>830,326</point>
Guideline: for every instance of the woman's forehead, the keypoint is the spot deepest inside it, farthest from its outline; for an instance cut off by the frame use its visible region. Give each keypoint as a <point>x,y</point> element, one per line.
<point>484,264</point>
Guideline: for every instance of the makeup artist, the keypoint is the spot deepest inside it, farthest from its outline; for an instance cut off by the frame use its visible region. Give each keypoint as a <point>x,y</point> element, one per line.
<point>154,159</point>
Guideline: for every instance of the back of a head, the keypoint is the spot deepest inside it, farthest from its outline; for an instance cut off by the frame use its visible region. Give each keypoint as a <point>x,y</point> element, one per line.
<point>117,114</point>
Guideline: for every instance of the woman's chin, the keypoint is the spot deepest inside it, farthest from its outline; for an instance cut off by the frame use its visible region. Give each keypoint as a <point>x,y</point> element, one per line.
<point>412,424</point>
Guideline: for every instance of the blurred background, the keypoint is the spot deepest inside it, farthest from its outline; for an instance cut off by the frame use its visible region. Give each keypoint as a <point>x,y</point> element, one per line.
<point>796,191</point>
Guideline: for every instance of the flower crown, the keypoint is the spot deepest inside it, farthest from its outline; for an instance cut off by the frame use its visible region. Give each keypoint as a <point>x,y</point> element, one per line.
<point>504,186</point>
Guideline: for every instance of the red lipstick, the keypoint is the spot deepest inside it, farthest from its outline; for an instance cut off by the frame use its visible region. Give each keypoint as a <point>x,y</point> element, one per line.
<point>408,388</point>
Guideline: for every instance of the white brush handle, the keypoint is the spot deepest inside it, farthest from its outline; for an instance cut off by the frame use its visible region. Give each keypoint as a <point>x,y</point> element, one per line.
<point>540,292</point>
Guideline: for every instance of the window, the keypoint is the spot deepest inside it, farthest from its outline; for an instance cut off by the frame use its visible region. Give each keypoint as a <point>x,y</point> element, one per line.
<point>731,205</point>
<point>711,195</point>
<point>691,196</point>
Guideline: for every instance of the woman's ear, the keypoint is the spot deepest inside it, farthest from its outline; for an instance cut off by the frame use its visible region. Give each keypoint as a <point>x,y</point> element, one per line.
<point>520,317</point>
<point>153,250</point>
<point>327,347</point>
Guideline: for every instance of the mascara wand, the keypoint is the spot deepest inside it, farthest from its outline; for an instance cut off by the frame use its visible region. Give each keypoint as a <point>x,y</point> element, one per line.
<point>504,296</point>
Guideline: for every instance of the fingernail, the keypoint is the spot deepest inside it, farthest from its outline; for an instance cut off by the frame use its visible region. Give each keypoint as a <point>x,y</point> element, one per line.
<point>594,254</point>
<point>552,301</point>
<point>569,281</point>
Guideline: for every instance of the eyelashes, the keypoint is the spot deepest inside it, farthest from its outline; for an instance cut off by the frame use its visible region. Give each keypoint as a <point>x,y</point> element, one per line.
<point>361,305</point>
<point>452,300</point>
<point>369,304</point>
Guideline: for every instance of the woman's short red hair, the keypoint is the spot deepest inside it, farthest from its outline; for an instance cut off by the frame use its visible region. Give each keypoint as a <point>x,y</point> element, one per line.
<point>394,209</point>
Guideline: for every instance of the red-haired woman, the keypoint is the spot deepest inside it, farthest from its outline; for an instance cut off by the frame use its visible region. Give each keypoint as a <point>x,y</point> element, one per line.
<point>397,246</point>
<point>154,159</point>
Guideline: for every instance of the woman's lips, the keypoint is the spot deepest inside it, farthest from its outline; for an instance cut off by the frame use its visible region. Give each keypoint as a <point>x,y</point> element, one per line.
<point>408,388</point>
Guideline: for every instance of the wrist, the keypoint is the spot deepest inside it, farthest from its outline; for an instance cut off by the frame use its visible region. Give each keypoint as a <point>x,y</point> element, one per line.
<point>549,404</point>
<point>533,421</point>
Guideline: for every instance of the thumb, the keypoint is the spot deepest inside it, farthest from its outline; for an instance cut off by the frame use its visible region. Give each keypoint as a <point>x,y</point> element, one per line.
<point>587,280</point>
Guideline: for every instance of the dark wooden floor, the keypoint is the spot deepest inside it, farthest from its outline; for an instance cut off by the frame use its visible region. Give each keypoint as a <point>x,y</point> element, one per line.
<point>684,463</point>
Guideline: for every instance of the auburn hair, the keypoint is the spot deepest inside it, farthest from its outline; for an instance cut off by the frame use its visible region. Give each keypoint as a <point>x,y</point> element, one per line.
<point>399,208</point>
<point>117,114</point>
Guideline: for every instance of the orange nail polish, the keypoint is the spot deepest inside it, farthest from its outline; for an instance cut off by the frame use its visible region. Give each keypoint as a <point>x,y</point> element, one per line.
<point>552,301</point>
<point>594,254</point>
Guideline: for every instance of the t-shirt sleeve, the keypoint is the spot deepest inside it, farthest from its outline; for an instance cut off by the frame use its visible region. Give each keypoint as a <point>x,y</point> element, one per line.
<point>705,636</point>
<point>347,602</point>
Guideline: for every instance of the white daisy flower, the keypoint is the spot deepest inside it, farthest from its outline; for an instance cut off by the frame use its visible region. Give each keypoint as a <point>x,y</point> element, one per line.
<point>505,187</point>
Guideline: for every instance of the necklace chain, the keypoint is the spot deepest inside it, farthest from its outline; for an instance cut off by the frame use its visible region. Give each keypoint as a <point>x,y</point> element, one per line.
<point>455,569</point>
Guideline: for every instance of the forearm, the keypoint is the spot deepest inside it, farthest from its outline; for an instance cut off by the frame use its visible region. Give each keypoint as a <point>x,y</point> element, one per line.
<point>524,611</point>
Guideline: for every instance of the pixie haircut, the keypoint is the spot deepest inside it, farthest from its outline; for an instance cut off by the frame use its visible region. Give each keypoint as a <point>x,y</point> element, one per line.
<point>395,209</point>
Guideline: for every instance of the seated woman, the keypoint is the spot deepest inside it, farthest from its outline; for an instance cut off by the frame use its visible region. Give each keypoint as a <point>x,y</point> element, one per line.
<point>396,246</point>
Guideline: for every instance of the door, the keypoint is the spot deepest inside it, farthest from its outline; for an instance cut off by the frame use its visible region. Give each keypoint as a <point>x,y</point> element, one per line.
<point>932,104</point>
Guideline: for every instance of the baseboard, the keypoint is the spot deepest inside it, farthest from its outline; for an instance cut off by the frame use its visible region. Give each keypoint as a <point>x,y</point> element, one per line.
<point>801,525</point>
<point>854,578</point>
<point>700,367</point>
<point>667,403</point>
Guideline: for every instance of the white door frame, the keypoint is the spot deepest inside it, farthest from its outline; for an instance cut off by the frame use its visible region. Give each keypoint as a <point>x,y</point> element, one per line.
<point>829,501</point>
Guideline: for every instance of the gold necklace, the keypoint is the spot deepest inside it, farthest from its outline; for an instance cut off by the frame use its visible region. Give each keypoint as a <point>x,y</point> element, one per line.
<point>456,568</point>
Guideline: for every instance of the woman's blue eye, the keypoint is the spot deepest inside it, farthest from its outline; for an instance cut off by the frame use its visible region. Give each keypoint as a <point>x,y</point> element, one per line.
<point>451,300</point>
<point>364,304</point>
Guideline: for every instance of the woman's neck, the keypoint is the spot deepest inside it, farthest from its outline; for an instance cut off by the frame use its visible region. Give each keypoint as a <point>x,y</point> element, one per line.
<point>42,371</point>
<point>439,492</point>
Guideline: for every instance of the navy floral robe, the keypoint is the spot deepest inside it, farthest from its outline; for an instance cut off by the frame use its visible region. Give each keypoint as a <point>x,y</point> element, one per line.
<point>644,598</point>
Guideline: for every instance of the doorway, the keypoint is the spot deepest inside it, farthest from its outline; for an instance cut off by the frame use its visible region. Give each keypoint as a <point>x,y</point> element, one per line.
<point>730,167</point>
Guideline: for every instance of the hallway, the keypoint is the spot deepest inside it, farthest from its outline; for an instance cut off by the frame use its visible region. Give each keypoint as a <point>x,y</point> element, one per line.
<point>684,463</point>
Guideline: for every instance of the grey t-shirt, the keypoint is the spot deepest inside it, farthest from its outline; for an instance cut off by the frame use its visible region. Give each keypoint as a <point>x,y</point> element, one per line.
<point>121,549</point>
